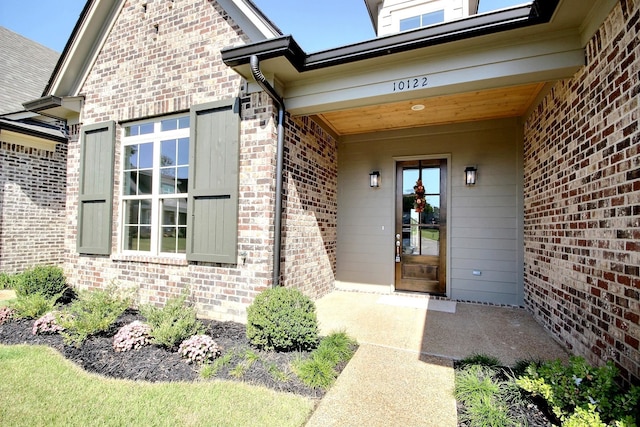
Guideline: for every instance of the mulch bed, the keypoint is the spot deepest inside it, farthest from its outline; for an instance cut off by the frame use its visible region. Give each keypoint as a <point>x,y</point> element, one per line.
<point>153,363</point>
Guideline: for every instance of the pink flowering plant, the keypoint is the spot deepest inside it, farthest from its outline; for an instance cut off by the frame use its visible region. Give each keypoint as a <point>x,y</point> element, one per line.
<point>131,336</point>
<point>199,349</point>
<point>6,313</point>
<point>46,324</point>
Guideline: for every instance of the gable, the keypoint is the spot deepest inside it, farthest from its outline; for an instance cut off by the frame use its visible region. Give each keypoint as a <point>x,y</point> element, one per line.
<point>99,17</point>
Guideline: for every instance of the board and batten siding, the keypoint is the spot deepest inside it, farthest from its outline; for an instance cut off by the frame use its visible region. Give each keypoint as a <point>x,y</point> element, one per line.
<point>485,220</point>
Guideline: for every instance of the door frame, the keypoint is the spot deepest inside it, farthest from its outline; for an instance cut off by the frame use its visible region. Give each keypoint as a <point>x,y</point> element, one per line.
<point>444,156</point>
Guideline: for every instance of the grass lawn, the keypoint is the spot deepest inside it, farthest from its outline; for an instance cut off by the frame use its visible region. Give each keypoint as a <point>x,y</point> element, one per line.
<point>39,387</point>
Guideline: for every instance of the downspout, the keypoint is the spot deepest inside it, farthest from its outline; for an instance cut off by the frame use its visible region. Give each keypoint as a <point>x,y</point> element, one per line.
<point>277,232</point>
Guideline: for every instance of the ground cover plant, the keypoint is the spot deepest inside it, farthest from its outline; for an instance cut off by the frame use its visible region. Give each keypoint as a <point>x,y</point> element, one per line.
<point>123,348</point>
<point>543,394</point>
<point>41,388</point>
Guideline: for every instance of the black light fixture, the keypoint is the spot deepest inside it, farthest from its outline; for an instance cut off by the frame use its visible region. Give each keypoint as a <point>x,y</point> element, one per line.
<point>470,174</point>
<point>374,179</point>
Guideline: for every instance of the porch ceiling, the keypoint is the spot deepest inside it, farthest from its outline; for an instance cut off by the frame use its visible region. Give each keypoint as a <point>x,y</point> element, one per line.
<point>488,104</point>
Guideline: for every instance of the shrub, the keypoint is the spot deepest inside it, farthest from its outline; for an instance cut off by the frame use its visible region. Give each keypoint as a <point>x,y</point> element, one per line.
<point>173,323</point>
<point>282,319</point>
<point>567,388</point>
<point>6,313</point>
<point>92,312</point>
<point>47,280</point>
<point>199,349</point>
<point>47,324</point>
<point>131,336</point>
<point>32,306</point>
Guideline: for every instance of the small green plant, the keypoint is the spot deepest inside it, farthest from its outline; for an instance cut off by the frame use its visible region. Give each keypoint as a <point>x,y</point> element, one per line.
<point>47,280</point>
<point>319,370</point>
<point>276,373</point>
<point>199,349</point>
<point>173,323</point>
<point>7,281</point>
<point>131,336</point>
<point>32,306</point>
<point>93,312</point>
<point>577,385</point>
<point>210,369</point>
<point>47,324</point>
<point>486,392</point>
<point>315,372</point>
<point>282,319</point>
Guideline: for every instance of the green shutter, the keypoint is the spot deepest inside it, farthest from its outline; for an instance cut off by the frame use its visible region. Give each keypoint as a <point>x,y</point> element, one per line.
<point>95,208</point>
<point>212,234</point>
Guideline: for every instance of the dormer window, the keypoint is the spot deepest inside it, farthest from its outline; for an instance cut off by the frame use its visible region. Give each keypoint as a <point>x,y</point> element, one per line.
<point>422,20</point>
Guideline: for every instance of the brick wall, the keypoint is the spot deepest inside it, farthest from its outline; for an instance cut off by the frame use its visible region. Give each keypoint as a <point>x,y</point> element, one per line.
<point>582,200</point>
<point>310,220</point>
<point>163,59</point>
<point>32,206</point>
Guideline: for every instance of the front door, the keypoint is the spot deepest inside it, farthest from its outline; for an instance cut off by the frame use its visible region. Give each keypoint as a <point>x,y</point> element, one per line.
<point>421,226</point>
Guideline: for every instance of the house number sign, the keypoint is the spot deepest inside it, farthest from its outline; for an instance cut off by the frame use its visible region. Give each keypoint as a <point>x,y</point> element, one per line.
<point>410,84</point>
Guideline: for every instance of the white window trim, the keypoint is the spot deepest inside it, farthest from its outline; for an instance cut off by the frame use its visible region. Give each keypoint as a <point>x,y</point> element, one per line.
<point>156,196</point>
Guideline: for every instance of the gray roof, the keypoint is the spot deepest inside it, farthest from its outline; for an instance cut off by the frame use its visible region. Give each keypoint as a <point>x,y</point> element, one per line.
<point>25,68</point>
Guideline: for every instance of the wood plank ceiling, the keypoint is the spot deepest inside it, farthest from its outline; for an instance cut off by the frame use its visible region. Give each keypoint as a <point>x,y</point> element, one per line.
<point>471,106</point>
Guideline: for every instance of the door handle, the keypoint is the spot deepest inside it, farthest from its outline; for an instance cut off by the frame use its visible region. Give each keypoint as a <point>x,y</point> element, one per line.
<point>398,247</point>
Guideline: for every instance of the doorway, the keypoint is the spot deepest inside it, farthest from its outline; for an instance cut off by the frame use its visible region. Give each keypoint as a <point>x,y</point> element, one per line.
<point>421,229</point>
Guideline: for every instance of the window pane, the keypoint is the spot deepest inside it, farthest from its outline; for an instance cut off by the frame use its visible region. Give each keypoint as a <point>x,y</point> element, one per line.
<point>431,180</point>
<point>130,183</point>
<point>433,18</point>
<point>144,239</point>
<point>132,212</point>
<point>409,23</point>
<point>183,151</point>
<point>145,179</point>
<point>168,153</point>
<point>183,122</point>
<point>131,238</point>
<point>169,124</point>
<point>131,157</point>
<point>145,155</point>
<point>182,182</point>
<point>146,128</point>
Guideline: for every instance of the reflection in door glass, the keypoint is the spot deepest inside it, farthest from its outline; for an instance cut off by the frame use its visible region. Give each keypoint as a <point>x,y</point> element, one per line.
<point>421,221</point>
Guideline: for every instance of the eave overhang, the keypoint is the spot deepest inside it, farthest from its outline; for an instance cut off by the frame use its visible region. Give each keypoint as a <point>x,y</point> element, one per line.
<point>30,135</point>
<point>503,20</point>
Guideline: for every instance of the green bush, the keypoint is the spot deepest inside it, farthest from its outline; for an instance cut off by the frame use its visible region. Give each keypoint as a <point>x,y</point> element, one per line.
<point>173,323</point>
<point>33,306</point>
<point>577,385</point>
<point>282,319</point>
<point>91,313</point>
<point>47,280</point>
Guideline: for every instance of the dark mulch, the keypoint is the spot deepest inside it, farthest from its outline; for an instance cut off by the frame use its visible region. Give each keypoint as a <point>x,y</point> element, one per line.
<point>153,363</point>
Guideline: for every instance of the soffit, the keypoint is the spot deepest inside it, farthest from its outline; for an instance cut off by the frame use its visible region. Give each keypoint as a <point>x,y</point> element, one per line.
<point>464,107</point>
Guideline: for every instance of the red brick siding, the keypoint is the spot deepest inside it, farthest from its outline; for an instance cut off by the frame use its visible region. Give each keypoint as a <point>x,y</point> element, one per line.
<point>141,73</point>
<point>32,206</point>
<point>582,200</point>
<point>310,220</point>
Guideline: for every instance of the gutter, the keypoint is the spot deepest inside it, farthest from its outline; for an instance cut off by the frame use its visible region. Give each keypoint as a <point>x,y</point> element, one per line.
<point>536,12</point>
<point>277,237</point>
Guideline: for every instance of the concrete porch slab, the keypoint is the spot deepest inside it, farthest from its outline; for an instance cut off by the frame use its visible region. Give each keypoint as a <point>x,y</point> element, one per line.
<point>403,372</point>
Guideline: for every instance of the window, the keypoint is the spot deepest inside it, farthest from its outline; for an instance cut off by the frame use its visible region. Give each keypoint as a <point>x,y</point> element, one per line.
<point>422,20</point>
<point>155,186</point>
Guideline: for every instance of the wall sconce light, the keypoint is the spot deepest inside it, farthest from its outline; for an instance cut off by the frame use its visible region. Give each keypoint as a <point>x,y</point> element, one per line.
<point>470,175</point>
<point>374,179</point>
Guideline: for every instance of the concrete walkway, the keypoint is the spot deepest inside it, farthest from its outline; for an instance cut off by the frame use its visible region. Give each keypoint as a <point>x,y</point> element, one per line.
<point>402,374</point>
